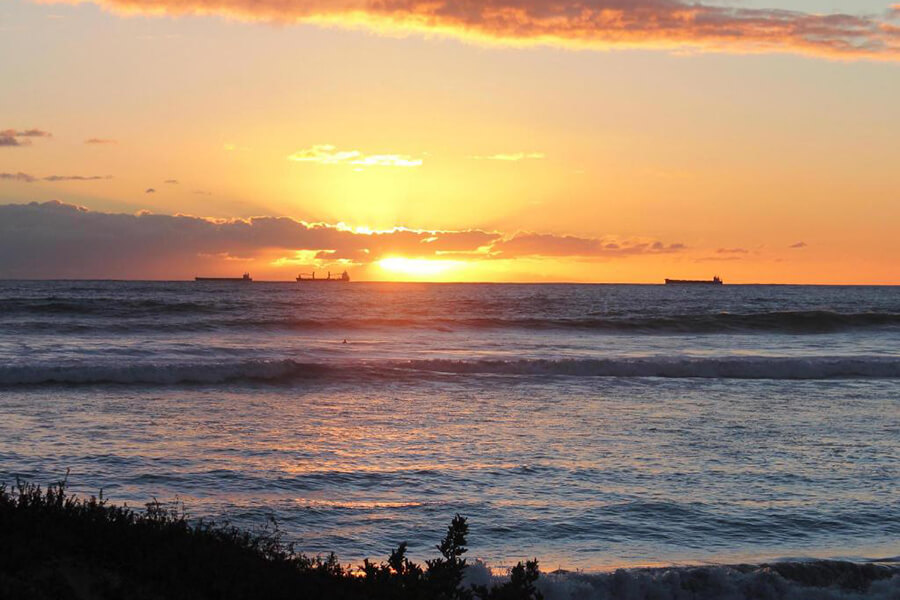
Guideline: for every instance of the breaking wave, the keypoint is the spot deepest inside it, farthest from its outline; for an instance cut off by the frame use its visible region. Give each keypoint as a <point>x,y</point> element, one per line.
<point>804,580</point>
<point>287,370</point>
<point>153,315</point>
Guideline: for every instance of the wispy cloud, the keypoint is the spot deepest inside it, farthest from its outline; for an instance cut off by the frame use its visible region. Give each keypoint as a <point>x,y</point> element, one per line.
<point>732,251</point>
<point>27,178</point>
<point>100,141</point>
<point>547,245</point>
<point>76,177</point>
<point>718,259</point>
<point>327,154</point>
<point>14,137</point>
<point>512,157</point>
<point>23,177</point>
<point>666,24</point>
<point>27,133</point>
<point>799,245</point>
<point>171,181</point>
<point>150,191</point>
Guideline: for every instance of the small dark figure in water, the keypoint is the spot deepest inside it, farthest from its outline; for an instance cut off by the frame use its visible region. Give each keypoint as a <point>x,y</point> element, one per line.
<point>345,341</point>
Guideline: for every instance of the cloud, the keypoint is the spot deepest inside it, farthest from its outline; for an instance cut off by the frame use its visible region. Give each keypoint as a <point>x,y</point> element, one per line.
<point>547,245</point>
<point>326,154</point>
<point>150,191</point>
<point>27,133</point>
<point>76,177</point>
<point>171,181</point>
<point>24,177</point>
<point>13,137</point>
<point>732,251</point>
<point>799,245</point>
<point>667,24</point>
<point>718,258</point>
<point>27,178</point>
<point>100,141</point>
<point>54,239</point>
<point>514,157</point>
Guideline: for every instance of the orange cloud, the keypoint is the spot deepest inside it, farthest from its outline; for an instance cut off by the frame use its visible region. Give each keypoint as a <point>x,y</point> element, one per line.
<point>547,245</point>
<point>326,154</point>
<point>511,156</point>
<point>586,23</point>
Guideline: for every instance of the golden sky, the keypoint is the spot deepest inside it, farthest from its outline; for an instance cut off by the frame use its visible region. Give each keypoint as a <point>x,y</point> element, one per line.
<point>502,140</point>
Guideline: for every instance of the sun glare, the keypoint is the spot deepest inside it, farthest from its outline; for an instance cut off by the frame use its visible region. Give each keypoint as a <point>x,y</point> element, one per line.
<point>418,267</point>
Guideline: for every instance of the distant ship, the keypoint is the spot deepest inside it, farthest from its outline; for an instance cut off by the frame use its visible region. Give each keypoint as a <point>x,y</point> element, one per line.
<point>246,277</point>
<point>312,277</point>
<point>714,281</point>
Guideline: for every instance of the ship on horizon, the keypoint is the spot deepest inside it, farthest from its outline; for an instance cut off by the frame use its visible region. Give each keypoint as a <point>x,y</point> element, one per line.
<point>714,281</point>
<point>246,277</point>
<point>312,277</point>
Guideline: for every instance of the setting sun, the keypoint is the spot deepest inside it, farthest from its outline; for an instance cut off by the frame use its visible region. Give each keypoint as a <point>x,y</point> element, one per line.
<point>419,267</point>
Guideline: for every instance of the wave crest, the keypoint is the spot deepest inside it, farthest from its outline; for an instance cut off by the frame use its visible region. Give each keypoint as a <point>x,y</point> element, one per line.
<point>287,370</point>
<point>807,580</point>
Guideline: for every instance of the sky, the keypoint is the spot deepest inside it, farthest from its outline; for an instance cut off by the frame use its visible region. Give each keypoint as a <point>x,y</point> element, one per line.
<point>491,140</point>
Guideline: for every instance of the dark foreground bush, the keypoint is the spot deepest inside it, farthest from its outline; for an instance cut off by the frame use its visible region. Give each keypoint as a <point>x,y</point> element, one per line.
<point>55,545</point>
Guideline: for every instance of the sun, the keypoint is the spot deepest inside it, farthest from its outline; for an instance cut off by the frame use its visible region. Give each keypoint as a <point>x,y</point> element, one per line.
<point>418,267</point>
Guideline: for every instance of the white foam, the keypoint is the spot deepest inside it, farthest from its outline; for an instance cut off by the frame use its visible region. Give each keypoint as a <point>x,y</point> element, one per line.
<point>816,580</point>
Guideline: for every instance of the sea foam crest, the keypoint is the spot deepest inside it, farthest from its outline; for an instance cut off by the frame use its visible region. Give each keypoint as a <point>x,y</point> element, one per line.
<point>803,580</point>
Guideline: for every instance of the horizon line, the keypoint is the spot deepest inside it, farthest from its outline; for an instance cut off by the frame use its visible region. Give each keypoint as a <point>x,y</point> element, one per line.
<point>409,281</point>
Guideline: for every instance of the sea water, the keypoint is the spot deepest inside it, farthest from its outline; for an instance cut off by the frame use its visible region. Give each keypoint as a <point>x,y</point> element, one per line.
<point>590,426</point>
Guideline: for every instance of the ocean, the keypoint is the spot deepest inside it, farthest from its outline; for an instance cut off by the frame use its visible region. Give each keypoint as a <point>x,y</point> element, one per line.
<point>594,427</point>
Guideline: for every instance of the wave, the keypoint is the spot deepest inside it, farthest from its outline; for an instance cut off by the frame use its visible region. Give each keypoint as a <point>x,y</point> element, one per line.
<point>793,580</point>
<point>192,316</point>
<point>801,368</point>
<point>112,307</point>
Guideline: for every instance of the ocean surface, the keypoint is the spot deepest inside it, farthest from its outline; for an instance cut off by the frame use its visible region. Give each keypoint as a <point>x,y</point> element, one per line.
<point>590,426</point>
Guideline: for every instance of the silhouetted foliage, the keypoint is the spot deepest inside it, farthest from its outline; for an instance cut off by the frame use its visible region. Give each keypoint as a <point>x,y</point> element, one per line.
<point>55,545</point>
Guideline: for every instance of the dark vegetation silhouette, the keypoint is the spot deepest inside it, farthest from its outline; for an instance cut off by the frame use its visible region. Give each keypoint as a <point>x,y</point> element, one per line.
<point>56,545</point>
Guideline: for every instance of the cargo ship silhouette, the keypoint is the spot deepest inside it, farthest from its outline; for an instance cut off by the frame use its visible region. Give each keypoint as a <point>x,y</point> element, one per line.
<point>246,277</point>
<point>714,281</point>
<point>312,277</point>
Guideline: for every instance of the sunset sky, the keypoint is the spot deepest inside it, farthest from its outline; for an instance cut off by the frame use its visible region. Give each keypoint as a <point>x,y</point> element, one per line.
<point>491,140</point>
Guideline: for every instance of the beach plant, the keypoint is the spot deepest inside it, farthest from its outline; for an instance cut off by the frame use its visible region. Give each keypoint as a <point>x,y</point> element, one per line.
<point>54,544</point>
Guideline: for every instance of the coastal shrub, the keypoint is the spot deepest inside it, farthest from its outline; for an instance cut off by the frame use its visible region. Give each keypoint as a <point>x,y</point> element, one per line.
<point>56,545</point>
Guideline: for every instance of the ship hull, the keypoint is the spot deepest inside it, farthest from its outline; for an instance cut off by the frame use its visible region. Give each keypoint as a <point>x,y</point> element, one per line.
<point>691,282</point>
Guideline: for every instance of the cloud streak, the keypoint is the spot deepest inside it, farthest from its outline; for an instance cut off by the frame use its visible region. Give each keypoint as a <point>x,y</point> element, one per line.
<point>669,24</point>
<point>54,239</point>
<point>12,137</point>
<point>28,178</point>
<point>511,157</point>
<point>549,245</point>
<point>327,154</point>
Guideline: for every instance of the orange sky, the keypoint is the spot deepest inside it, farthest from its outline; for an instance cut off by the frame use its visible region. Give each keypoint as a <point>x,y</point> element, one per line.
<point>507,140</point>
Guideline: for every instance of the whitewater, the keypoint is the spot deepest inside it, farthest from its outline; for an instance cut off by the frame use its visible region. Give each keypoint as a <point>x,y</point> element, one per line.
<point>732,441</point>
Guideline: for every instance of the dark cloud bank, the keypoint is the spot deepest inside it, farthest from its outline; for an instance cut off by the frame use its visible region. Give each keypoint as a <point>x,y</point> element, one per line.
<point>54,239</point>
